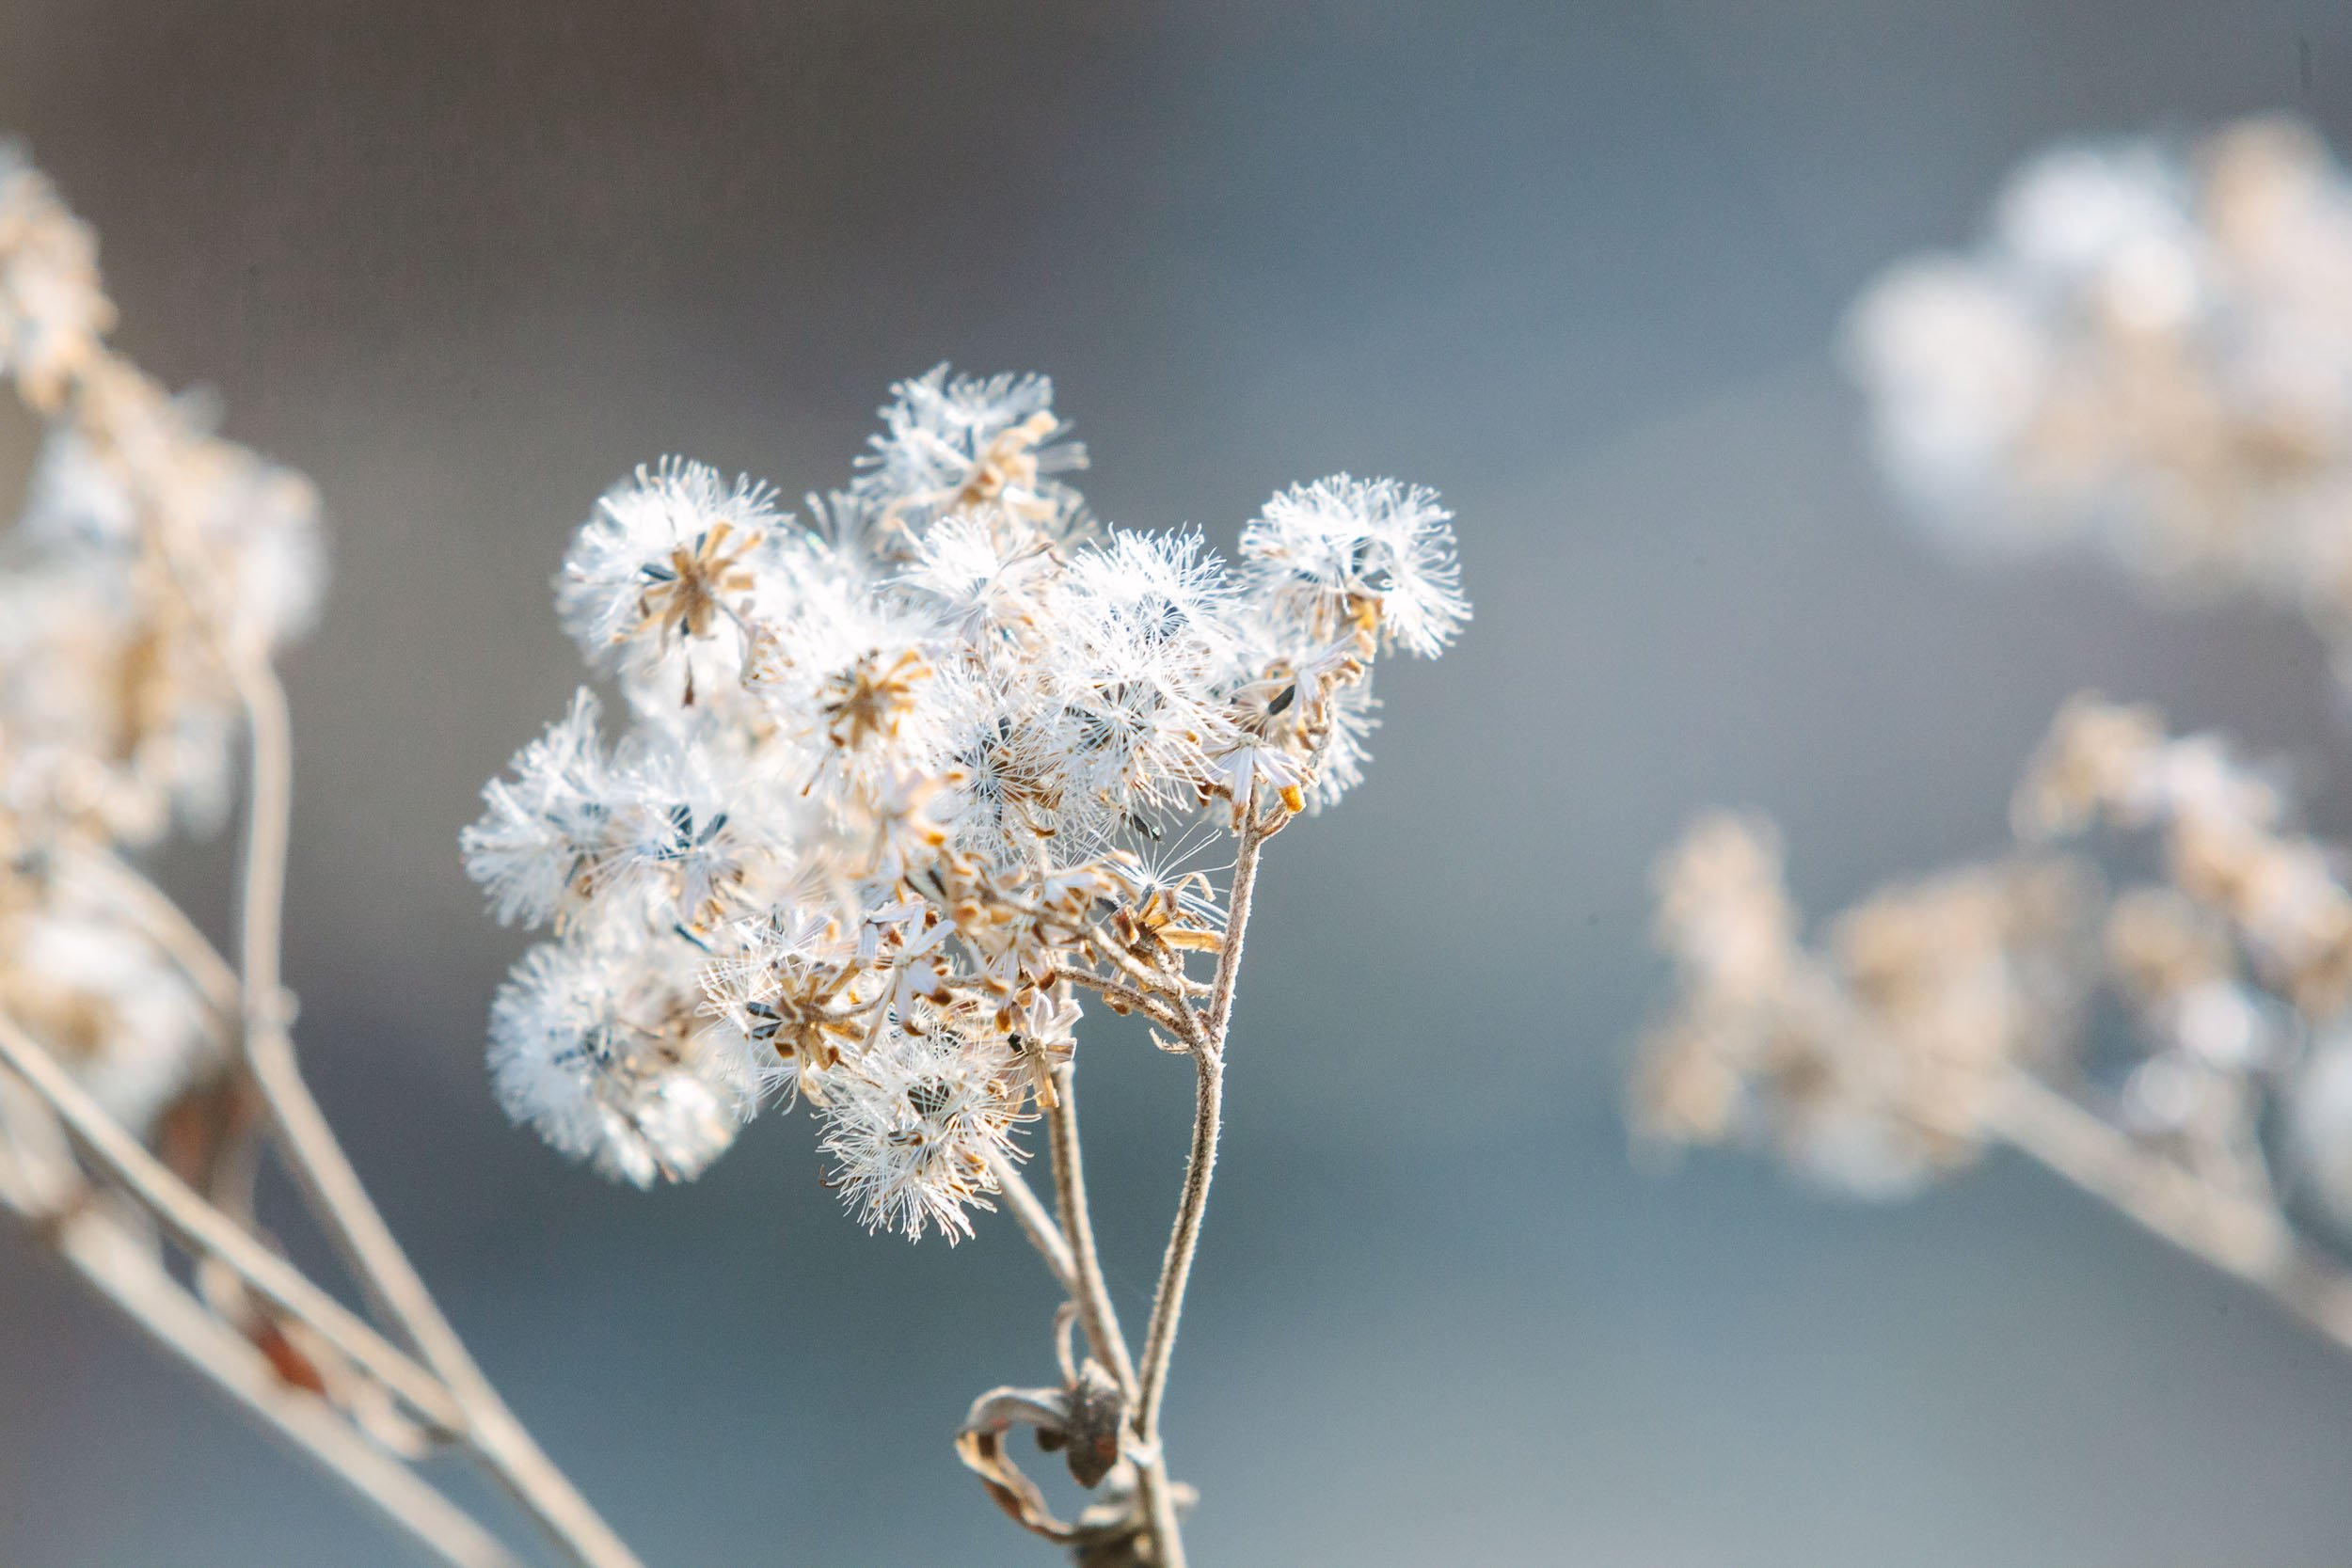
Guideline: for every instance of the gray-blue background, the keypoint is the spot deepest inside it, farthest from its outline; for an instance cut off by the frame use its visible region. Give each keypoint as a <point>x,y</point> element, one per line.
<point>1577,265</point>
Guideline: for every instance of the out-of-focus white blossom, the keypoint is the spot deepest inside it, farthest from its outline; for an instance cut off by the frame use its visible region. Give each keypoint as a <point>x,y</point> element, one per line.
<point>1877,1061</point>
<point>106,1002</point>
<point>1895,1049</point>
<point>1954,364</point>
<point>154,564</point>
<point>2151,354</point>
<point>52,313</point>
<point>110,724</point>
<point>2270,892</point>
<point>151,559</point>
<point>894,775</point>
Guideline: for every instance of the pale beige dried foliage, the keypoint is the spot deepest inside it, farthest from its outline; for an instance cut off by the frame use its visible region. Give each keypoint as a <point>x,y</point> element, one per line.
<point>2149,355</point>
<point>1873,1061</point>
<point>1940,1017</point>
<point>2152,356</point>
<point>144,1077</point>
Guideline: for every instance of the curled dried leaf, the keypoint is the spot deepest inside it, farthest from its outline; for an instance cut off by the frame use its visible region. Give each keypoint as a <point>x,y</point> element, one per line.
<point>1084,1422</point>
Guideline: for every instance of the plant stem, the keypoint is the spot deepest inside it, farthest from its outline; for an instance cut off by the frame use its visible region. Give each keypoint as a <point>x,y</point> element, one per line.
<point>1167,1305</point>
<point>204,1229</point>
<point>2237,1234</point>
<point>1034,1222</point>
<point>332,1187</point>
<point>1091,1293</point>
<point>1131,1000</point>
<point>1089,1289</point>
<point>126,1273</point>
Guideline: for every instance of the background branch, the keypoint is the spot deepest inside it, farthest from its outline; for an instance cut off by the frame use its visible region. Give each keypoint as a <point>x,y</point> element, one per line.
<point>205,1230</point>
<point>124,1272</point>
<point>332,1187</point>
<point>2235,1233</point>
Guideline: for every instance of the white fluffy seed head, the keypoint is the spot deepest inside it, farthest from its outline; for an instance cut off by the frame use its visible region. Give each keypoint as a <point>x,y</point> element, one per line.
<point>544,827</point>
<point>598,1042</point>
<point>912,1123</point>
<point>696,829</point>
<point>1371,555</point>
<point>950,442</point>
<point>660,568</point>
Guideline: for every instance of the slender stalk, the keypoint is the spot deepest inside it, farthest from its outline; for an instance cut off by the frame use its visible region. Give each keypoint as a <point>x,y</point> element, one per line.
<point>1034,1222</point>
<point>332,1187</point>
<point>1097,1315</point>
<point>1089,1293</point>
<point>2235,1233</point>
<point>1158,1494</point>
<point>37,1175</point>
<point>128,1275</point>
<point>1167,1304</point>
<point>203,1228</point>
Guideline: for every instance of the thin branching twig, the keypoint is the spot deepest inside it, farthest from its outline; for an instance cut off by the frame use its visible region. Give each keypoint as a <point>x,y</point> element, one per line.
<point>332,1186</point>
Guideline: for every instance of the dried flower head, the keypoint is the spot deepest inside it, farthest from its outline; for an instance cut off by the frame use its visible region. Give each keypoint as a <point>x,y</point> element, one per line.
<point>600,1043</point>
<point>1375,558</point>
<point>913,1122</point>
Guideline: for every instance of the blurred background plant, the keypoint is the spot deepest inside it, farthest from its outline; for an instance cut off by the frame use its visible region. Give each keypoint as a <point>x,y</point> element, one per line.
<point>2151,358</point>
<point>144,1077</point>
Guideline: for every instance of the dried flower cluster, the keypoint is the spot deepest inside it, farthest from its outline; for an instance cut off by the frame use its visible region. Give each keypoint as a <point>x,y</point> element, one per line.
<point>1883,1058</point>
<point>898,777</point>
<point>2150,355</point>
<point>150,562</point>
<point>2152,994</point>
<point>1871,1064</point>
